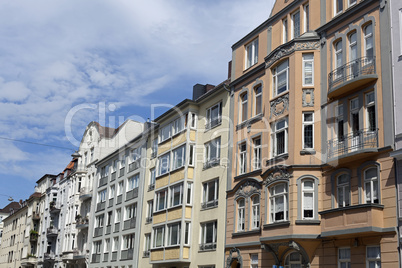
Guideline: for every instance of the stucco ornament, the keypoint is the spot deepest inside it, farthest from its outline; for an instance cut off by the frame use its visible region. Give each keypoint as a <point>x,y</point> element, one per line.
<point>248,189</point>
<point>232,258</point>
<point>278,173</point>
<point>308,97</point>
<point>279,105</point>
<point>290,48</point>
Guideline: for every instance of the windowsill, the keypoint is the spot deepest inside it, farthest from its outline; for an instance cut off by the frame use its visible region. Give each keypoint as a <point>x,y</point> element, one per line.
<point>279,95</point>
<point>159,211</point>
<point>210,128</point>
<point>178,133</point>
<point>157,248</point>
<point>252,173</point>
<point>250,121</point>
<point>307,152</point>
<point>177,169</point>
<point>276,158</point>
<point>173,246</point>
<point>371,205</point>
<point>249,67</point>
<point>307,222</point>
<point>211,163</point>
<point>244,233</point>
<point>276,224</point>
<point>173,207</point>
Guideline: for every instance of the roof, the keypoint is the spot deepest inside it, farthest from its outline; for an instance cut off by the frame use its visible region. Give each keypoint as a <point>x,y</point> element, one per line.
<point>12,206</point>
<point>106,132</point>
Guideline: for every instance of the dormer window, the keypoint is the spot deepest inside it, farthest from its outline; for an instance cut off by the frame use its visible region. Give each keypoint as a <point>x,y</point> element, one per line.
<point>252,53</point>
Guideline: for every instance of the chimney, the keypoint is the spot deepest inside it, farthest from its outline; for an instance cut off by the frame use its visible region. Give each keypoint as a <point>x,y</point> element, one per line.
<point>230,70</point>
<point>198,91</point>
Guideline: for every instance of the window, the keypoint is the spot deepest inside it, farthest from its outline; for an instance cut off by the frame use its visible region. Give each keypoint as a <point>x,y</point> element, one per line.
<point>255,217</point>
<point>280,78</point>
<point>344,257</point>
<point>339,122</point>
<point>278,203</point>
<point>92,154</point>
<point>174,231</point>
<point>243,107</point>
<point>343,190</point>
<point>152,177</point>
<point>254,261</point>
<point>371,186</point>
<point>354,123</point>
<point>352,2</point>
<point>210,193</point>
<point>338,59</point>
<point>115,245</point>
<point>176,195</point>
<point>258,100</point>
<point>308,69</point>
<point>160,200</point>
<point>189,193</point>
<point>132,182</point>
<point>120,187</point>
<point>165,133</point>
<point>128,241</point>
<point>118,215</point>
<point>279,138</point>
<point>208,235</point>
<point>131,211</point>
<point>368,43</point>
<point>308,130</point>
<point>109,218</point>
<point>179,156</point>
<point>370,112</point>
<point>242,158</point>
<point>308,199</point>
<point>147,246</point>
<point>164,162</point>
<point>99,221</point>
<point>102,196</point>
<point>306,18</point>
<point>112,191</point>
<point>107,245</point>
<point>296,24</point>
<point>285,30</point>
<point>293,259</point>
<point>159,234</point>
<point>373,257</point>
<point>257,153</point>
<point>214,116</point>
<point>187,234</point>
<point>154,148</point>
<point>114,165</point>
<point>123,162</point>
<point>191,155</point>
<point>240,215</point>
<point>150,208</point>
<point>212,153</point>
<point>134,154</point>
<point>252,53</point>
<point>193,120</point>
<point>353,55</point>
<point>97,247</point>
<point>338,6</point>
<point>178,125</point>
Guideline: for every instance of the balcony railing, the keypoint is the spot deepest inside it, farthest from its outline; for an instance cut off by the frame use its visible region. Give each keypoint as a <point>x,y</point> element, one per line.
<point>113,177</point>
<point>108,229</point>
<point>134,165</point>
<point>103,180</point>
<point>96,257</point>
<point>119,199</point>
<point>117,227</point>
<point>210,204</point>
<point>101,206</point>
<point>208,246</point>
<point>121,172</point>
<point>48,256</point>
<point>130,223</point>
<point>212,162</point>
<point>132,194</point>
<point>85,193</point>
<point>352,70</point>
<point>114,256</point>
<point>213,123</point>
<point>98,231</point>
<point>52,231</point>
<point>127,254</point>
<point>353,142</point>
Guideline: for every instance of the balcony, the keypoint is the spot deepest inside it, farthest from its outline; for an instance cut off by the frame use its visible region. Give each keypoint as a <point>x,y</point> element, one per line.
<point>82,223</point>
<point>54,209</point>
<point>113,176</point>
<point>361,141</point>
<point>52,232</point>
<point>103,181</point>
<point>33,236</point>
<point>29,261</point>
<point>134,165</point>
<point>121,172</point>
<point>132,194</point>
<point>101,206</point>
<point>349,220</point>
<point>130,223</point>
<point>210,204</point>
<point>85,193</point>
<point>127,254</point>
<point>213,123</point>
<point>212,163</point>
<point>96,257</point>
<point>35,216</point>
<point>98,231</point>
<point>78,254</point>
<point>207,246</point>
<point>49,256</point>
<point>67,256</point>
<point>351,76</point>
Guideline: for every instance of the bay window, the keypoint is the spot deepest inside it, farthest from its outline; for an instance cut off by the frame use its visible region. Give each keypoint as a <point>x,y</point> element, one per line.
<point>164,164</point>
<point>174,231</point>
<point>279,137</point>
<point>371,185</point>
<point>278,200</point>
<point>160,200</point>
<point>179,156</point>
<point>159,237</point>
<point>281,78</point>
<point>176,195</point>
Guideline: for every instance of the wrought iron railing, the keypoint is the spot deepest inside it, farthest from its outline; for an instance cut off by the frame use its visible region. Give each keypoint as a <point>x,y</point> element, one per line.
<point>210,204</point>
<point>213,123</point>
<point>353,142</point>
<point>351,70</point>
<point>208,246</point>
<point>212,162</point>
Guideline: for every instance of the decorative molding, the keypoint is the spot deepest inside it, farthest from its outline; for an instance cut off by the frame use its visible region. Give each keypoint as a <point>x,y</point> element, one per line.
<point>278,173</point>
<point>289,49</point>
<point>248,189</point>
<point>306,102</point>
<point>275,110</point>
<point>230,259</point>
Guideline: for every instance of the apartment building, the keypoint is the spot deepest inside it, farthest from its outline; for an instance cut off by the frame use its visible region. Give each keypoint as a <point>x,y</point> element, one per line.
<point>312,181</point>
<point>5,212</point>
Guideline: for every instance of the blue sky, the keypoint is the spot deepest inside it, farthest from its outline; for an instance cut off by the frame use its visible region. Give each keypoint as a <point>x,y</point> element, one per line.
<point>62,56</point>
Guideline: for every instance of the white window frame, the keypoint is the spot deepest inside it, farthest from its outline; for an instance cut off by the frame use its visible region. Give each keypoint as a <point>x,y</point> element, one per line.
<point>165,132</point>
<point>305,62</point>
<point>336,2</point>
<point>154,148</point>
<point>214,144</point>
<point>257,153</point>
<point>120,187</point>
<point>212,122</point>
<point>155,232</point>
<point>242,158</point>
<point>130,211</point>
<point>191,154</point>
<point>132,182</point>
<point>241,215</point>
<point>187,234</point>
<point>345,188</point>
<point>338,50</point>
<point>178,160</point>
<point>115,245</point>
<point>204,233</point>
<point>102,196</point>
<point>276,74</point>
<point>177,188</point>
<point>150,208</point>
<point>158,200</point>
<point>354,110</point>
<point>170,234</point>
<point>308,191</point>
<point>189,197</point>
<point>368,36</point>
<point>243,111</point>
<point>251,53</point>
<point>343,260</point>
<point>285,30</point>
<point>253,260</point>
<point>293,24</point>
<point>118,215</point>
<point>370,102</point>
<point>206,191</point>
<point>147,242</point>
<point>370,183</point>
<point>112,191</point>
<point>152,176</point>
<point>255,212</point>
<point>128,241</point>
<point>258,99</point>
<point>307,124</point>
<point>274,138</point>
<point>161,167</point>
<point>373,259</point>
<point>306,15</point>
<point>352,45</point>
<point>352,2</point>
<point>273,197</point>
<point>178,125</point>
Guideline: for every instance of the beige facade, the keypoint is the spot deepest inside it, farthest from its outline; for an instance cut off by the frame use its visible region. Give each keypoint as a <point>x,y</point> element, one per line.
<point>312,181</point>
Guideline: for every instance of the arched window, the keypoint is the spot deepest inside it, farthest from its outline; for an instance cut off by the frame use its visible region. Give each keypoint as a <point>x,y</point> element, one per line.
<point>343,190</point>
<point>255,220</point>
<point>278,203</point>
<point>368,43</point>
<point>371,185</point>
<point>240,214</point>
<point>308,199</point>
<point>243,107</point>
<point>293,260</point>
<point>338,59</point>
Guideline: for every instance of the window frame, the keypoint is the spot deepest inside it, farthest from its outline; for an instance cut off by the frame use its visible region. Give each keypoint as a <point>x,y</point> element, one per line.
<point>175,157</point>
<point>255,212</point>
<point>366,37</point>
<point>243,109</point>
<point>307,124</point>
<point>338,59</point>
<point>285,30</point>
<point>155,236</point>
<point>133,182</point>
<point>308,191</point>
<point>130,211</point>
<point>209,147</point>
<point>170,233</point>
<point>370,259</point>
<point>204,233</point>
<point>368,105</point>
<point>343,260</point>
<point>274,197</point>
<point>305,62</point>
<point>276,74</point>
<point>306,14</point>
<point>242,158</point>
<point>251,53</point>
<point>213,122</point>
<point>274,138</point>
<point>371,181</point>
<point>158,199</point>
<point>345,190</point>
<point>338,7</point>
<point>258,99</point>
<point>172,194</point>
<point>241,215</point>
<point>294,33</point>
<point>257,149</point>
<point>206,203</point>
<point>160,164</point>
